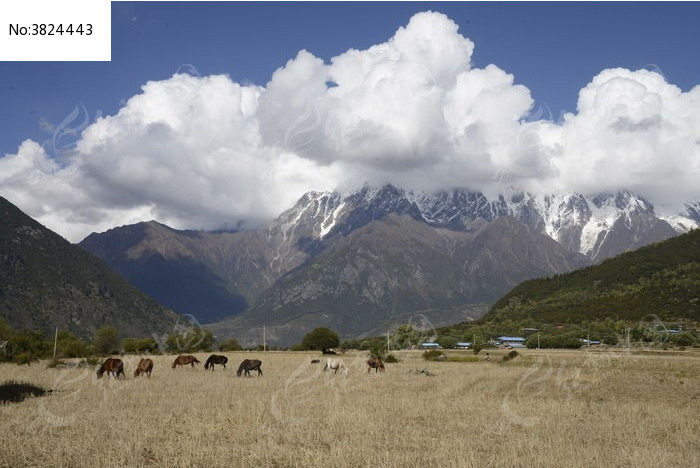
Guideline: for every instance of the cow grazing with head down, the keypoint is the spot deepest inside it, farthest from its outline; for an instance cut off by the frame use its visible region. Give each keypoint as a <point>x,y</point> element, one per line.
<point>112,366</point>
<point>184,359</point>
<point>145,367</point>
<point>215,359</point>
<point>249,365</point>
<point>376,364</point>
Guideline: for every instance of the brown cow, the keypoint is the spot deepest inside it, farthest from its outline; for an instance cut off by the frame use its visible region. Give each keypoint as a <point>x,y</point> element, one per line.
<point>248,365</point>
<point>376,364</point>
<point>215,359</point>
<point>111,366</point>
<point>145,367</point>
<point>184,359</point>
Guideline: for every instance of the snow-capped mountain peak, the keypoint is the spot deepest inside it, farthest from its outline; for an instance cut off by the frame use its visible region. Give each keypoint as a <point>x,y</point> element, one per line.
<point>597,225</point>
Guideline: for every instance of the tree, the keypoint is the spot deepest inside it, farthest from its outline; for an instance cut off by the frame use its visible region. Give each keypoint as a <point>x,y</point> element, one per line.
<point>405,336</point>
<point>190,341</point>
<point>557,340</point>
<point>447,341</point>
<point>230,345</point>
<point>320,339</point>
<point>106,339</point>
<point>139,345</point>
<point>71,346</point>
<point>25,346</point>
<point>684,339</point>
<point>377,351</point>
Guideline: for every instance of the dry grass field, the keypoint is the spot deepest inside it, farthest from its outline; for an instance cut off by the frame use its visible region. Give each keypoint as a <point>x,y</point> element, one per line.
<point>543,409</point>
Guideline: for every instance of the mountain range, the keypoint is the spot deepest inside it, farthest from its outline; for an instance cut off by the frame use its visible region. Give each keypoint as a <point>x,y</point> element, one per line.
<point>46,282</point>
<point>377,257</point>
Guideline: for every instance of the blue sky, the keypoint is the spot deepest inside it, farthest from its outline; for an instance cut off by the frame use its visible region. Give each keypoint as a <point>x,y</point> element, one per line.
<point>552,48</point>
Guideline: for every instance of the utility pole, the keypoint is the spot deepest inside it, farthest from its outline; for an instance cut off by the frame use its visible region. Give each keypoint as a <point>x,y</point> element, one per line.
<point>264,338</point>
<point>387,341</point>
<point>538,340</point>
<point>628,336</point>
<point>55,342</point>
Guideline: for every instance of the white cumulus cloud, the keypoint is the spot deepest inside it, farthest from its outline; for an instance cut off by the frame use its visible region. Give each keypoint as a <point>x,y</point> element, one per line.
<point>200,152</point>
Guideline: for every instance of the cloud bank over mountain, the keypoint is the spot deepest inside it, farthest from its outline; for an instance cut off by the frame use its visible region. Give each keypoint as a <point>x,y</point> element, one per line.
<point>203,151</point>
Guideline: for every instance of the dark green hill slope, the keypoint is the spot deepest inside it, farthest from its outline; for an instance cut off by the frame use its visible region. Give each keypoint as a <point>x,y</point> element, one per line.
<point>46,282</point>
<point>661,279</point>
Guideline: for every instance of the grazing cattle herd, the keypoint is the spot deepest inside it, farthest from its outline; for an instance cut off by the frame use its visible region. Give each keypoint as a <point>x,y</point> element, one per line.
<point>115,367</point>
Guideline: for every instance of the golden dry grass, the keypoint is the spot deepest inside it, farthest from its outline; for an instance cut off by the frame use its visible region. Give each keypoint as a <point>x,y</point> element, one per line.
<point>545,409</point>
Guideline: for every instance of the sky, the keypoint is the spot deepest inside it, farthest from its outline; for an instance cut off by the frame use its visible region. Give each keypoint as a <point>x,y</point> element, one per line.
<point>217,113</point>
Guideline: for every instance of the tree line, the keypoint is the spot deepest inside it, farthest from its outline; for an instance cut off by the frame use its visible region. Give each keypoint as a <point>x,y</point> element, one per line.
<point>25,346</point>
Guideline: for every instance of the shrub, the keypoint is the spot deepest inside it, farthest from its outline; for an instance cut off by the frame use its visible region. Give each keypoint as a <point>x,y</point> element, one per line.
<point>391,359</point>
<point>463,359</point>
<point>23,358</point>
<point>89,362</point>
<point>512,355</point>
<point>434,355</point>
<point>683,339</point>
<point>55,363</point>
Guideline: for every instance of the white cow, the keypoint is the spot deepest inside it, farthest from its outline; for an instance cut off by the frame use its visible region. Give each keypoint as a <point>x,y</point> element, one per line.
<point>335,365</point>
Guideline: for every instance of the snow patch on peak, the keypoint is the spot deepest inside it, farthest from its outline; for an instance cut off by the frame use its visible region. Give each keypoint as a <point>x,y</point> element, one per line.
<point>603,216</point>
<point>561,211</point>
<point>606,209</point>
<point>680,223</point>
<point>692,211</point>
<point>682,220</point>
<point>329,221</point>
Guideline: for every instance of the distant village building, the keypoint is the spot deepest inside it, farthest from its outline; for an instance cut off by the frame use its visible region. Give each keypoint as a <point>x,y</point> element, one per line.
<point>464,344</point>
<point>511,341</point>
<point>429,345</point>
